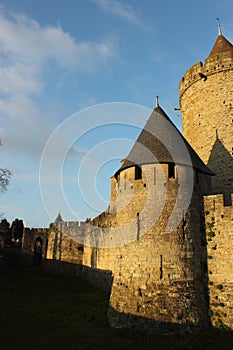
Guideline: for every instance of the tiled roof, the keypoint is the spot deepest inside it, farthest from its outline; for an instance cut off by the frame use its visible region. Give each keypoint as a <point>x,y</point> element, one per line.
<point>221,45</point>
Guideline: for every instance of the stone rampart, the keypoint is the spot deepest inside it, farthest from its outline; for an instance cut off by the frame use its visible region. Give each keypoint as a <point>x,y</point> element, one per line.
<point>219,232</point>
<point>206,101</point>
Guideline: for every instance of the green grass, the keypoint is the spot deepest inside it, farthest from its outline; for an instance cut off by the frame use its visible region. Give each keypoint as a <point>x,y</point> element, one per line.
<point>44,311</point>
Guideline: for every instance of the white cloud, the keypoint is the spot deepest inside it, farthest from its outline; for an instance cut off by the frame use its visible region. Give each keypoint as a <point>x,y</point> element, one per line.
<point>12,209</point>
<point>26,47</point>
<point>118,9</point>
<point>27,52</point>
<point>23,40</point>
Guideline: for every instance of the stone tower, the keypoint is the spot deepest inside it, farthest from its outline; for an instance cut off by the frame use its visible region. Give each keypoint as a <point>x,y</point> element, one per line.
<point>167,232</point>
<point>160,277</point>
<point>206,101</point>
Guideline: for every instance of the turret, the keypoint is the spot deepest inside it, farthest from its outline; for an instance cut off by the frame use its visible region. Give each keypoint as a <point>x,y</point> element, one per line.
<point>206,102</point>
<point>160,276</point>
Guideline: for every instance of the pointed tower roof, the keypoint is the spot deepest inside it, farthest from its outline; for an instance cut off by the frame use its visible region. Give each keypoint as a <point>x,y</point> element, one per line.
<point>161,142</point>
<point>221,45</point>
<point>58,219</point>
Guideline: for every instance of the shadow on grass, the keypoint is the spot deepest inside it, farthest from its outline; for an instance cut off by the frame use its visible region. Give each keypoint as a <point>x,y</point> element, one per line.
<point>45,311</point>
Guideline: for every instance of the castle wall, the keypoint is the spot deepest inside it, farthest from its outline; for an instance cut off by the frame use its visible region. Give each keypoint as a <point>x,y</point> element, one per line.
<point>159,276</point>
<point>161,266</point>
<point>29,239</point>
<point>61,246</point>
<point>160,280</point>
<point>219,232</point>
<point>207,116</point>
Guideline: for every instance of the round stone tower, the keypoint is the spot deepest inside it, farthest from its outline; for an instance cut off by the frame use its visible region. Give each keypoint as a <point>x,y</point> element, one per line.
<point>160,276</point>
<point>206,102</point>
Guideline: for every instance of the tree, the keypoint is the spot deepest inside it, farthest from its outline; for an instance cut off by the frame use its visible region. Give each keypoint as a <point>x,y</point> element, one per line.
<point>5,175</point>
<point>17,228</point>
<point>5,231</point>
<point>4,226</point>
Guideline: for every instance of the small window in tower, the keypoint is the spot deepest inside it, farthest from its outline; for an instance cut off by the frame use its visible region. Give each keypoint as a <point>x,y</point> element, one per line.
<point>161,267</point>
<point>171,171</point>
<point>154,175</point>
<point>138,172</point>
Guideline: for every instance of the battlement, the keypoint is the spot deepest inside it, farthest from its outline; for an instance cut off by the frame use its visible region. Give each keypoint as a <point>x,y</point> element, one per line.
<point>216,203</point>
<point>30,236</point>
<point>213,64</point>
<point>63,225</point>
<point>36,230</point>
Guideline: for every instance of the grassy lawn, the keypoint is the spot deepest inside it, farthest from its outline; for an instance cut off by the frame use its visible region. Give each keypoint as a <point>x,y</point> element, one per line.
<point>44,311</point>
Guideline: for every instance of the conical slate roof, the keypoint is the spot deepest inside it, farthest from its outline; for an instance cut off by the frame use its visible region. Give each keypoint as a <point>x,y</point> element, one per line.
<point>161,142</point>
<point>221,45</point>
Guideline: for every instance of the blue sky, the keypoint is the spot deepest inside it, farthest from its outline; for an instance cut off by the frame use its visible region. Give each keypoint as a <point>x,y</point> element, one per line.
<point>58,58</point>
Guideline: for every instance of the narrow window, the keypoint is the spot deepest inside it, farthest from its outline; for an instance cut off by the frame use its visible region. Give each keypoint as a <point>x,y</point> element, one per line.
<point>161,267</point>
<point>154,175</point>
<point>138,172</point>
<point>171,171</point>
<point>80,249</point>
<point>183,227</point>
<point>227,200</point>
<point>138,226</point>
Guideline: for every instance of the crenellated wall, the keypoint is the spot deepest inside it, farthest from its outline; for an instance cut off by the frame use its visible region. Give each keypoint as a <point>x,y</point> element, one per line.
<point>219,232</point>
<point>158,273</point>
<point>206,101</point>
<point>171,267</point>
<point>160,279</point>
<point>29,239</point>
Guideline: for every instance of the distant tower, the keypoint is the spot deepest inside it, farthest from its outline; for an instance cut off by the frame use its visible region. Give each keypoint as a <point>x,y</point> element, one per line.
<point>206,101</point>
<point>58,220</point>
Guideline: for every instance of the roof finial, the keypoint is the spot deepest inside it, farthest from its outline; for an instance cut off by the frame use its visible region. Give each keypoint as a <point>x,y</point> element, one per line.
<point>219,27</point>
<point>157,101</point>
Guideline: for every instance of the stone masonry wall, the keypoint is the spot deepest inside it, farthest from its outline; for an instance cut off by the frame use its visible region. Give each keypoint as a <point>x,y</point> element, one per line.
<point>158,274</point>
<point>61,246</point>
<point>219,231</point>
<point>28,242</point>
<point>207,116</point>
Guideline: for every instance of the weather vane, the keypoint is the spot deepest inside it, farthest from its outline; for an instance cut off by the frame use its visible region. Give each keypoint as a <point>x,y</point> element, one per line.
<point>219,27</point>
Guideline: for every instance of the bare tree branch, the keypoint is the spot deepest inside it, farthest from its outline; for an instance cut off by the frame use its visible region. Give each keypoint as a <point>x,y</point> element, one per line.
<point>5,176</point>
